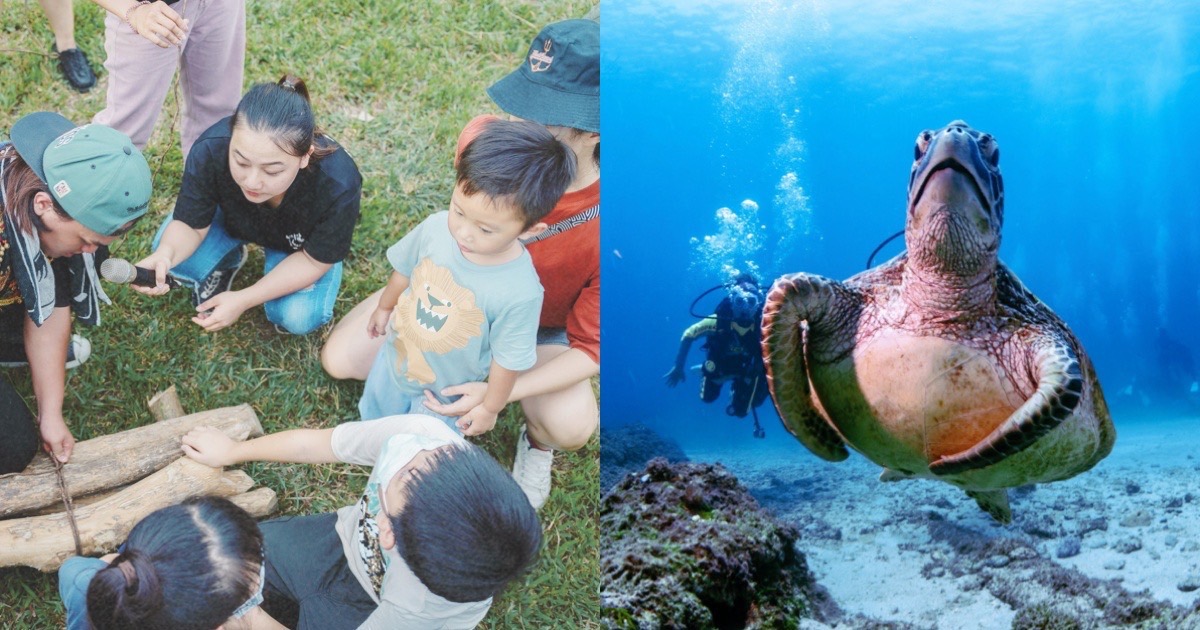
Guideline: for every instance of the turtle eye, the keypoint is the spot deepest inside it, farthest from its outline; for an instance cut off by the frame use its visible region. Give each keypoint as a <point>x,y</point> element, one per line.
<point>991,151</point>
<point>922,144</point>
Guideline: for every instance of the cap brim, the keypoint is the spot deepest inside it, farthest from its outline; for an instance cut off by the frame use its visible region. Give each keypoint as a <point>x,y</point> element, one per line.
<point>519,96</point>
<point>32,134</point>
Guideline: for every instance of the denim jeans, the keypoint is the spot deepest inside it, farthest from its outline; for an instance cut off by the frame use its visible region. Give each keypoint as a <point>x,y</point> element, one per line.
<point>73,578</point>
<point>299,313</point>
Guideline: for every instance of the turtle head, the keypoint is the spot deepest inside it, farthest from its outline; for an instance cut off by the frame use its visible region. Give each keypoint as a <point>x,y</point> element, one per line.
<point>955,201</point>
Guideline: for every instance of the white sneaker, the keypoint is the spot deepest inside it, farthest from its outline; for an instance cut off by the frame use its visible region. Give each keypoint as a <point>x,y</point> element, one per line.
<point>531,469</point>
<point>78,352</point>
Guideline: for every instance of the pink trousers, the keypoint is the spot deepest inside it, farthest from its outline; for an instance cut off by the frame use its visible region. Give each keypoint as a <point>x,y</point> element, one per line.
<point>210,62</point>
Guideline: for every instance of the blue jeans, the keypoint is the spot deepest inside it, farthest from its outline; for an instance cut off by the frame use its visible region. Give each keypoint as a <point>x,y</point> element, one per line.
<point>299,313</point>
<point>73,578</point>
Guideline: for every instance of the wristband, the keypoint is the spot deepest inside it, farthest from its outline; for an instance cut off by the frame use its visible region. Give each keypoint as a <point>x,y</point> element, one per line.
<point>129,14</point>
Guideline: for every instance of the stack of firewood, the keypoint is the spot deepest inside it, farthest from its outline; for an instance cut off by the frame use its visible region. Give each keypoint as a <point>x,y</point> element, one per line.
<point>115,481</point>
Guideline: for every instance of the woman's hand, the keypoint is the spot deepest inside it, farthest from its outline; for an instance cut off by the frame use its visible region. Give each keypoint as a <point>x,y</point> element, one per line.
<point>471,396</point>
<point>158,23</point>
<point>56,437</point>
<point>221,310</point>
<point>160,263</point>
<point>209,447</point>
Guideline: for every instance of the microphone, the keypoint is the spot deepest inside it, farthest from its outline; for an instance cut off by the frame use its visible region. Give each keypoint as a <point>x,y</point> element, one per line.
<point>122,271</point>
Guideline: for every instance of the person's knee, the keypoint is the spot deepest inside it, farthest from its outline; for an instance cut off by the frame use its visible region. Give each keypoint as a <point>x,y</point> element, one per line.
<point>566,425</point>
<point>333,360</point>
<point>298,317</point>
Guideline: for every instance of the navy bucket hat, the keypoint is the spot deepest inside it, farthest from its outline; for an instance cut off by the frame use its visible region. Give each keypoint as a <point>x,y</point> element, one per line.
<point>559,82</point>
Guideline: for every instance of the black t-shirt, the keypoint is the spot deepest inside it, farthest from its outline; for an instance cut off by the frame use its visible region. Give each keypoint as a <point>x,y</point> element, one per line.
<point>317,214</point>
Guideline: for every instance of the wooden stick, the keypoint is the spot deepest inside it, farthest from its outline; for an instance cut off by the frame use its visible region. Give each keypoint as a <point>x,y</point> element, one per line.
<point>112,460</point>
<point>165,405</point>
<point>260,502</point>
<point>44,542</point>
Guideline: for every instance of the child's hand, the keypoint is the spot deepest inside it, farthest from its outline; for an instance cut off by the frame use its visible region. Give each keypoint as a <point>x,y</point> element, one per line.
<point>378,326</point>
<point>209,447</point>
<point>477,421</point>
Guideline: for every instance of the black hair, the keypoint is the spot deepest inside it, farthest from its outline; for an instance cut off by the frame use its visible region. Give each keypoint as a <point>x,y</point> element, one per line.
<point>283,111</point>
<point>575,133</point>
<point>466,528</point>
<point>185,567</point>
<point>520,162</point>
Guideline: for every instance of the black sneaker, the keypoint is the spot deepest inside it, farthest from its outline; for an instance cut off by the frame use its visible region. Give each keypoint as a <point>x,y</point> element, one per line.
<point>221,279</point>
<point>73,64</point>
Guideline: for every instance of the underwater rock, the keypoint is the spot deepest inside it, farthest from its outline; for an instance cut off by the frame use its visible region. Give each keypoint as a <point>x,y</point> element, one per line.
<point>1042,593</point>
<point>1129,544</point>
<point>1068,548</point>
<point>1140,518</point>
<point>1116,564</point>
<point>627,447</point>
<point>1098,523</point>
<point>686,546</point>
<point>1189,583</point>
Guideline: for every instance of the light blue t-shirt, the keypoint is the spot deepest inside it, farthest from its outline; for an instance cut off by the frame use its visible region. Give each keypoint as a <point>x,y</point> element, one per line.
<point>452,321</point>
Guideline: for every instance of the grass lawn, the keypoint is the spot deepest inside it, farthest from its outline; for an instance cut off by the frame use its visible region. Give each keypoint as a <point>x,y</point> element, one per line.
<point>393,82</point>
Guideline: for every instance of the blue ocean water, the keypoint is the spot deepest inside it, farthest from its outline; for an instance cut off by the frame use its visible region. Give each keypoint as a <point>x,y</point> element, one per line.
<point>777,136</point>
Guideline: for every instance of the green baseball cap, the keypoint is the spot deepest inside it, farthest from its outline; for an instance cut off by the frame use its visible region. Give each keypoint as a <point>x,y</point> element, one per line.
<point>94,172</point>
<point>559,82</point>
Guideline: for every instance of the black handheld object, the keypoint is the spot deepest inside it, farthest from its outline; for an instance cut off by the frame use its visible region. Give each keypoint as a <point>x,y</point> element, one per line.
<point>122,271</point>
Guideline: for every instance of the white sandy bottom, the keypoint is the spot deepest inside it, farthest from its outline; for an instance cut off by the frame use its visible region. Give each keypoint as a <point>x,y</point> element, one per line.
<point>869,555</point>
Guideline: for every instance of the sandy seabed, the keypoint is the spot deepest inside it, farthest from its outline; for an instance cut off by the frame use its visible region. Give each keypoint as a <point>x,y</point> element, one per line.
<point>1134,518</point>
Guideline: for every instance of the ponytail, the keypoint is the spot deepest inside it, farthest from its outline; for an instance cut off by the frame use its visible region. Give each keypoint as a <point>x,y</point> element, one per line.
<point>283,112</point>
<point>126,593</point>
<point>185,567</point>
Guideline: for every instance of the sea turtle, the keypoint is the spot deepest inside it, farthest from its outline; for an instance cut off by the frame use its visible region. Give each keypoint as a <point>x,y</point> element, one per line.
<point>939,363</point>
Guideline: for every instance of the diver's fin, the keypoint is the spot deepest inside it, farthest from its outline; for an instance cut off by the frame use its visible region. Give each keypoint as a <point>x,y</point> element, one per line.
<point>994,502</point>
<point>893,475</point>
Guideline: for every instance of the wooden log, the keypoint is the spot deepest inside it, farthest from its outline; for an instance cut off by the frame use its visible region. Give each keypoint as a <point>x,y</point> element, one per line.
<point>112,460</point>
<point>165,405</point>
<point>44,542</point>
<point>260,502</point>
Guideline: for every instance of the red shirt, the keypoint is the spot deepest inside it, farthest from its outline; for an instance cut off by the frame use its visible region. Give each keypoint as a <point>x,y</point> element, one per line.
<point>567,263</point>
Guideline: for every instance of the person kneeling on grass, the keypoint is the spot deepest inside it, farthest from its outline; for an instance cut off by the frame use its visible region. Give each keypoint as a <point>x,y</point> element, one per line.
<point>440,529</point>
<point>65,193</point>
<point>194,566</point>
<point>266,175</point>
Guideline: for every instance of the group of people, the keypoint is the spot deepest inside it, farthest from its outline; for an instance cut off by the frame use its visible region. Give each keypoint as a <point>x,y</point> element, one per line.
<point>491,301</point>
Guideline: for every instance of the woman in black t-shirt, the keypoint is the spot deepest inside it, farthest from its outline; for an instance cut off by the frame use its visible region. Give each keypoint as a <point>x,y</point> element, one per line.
<point>266,175</point>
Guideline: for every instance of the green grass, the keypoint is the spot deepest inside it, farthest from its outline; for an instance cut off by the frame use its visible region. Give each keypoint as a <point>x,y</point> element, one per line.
<point>393,82</point>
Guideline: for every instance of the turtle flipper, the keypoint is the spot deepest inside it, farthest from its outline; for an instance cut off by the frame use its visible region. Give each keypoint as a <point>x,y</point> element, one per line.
<point>994,502</point>
<point>1060,385</point>
<point>787,320</point>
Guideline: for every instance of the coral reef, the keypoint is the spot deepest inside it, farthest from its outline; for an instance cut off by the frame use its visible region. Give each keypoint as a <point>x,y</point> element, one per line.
<point>685,546</point>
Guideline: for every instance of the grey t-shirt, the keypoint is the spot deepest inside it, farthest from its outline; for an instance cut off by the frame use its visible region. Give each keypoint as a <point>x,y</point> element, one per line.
<point>388,444</point>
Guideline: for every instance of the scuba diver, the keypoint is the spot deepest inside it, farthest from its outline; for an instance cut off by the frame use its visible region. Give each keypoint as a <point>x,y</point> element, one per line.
<point>734,351</point>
